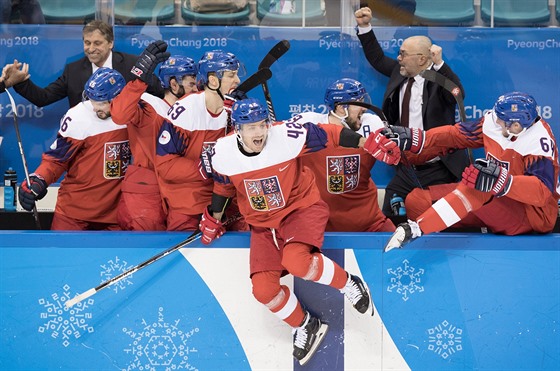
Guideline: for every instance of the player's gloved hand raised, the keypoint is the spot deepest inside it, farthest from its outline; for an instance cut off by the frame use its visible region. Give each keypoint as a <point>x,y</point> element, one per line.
<point>210,227</point>
<point>487,176</point>
<point>27,195</point>
<point>407,139</point>
<point>232,97</point>
<point>145,65</point>
<point>382,148</point>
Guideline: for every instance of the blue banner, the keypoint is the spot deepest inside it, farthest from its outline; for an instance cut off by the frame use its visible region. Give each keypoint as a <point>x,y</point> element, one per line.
<point>488,61</point>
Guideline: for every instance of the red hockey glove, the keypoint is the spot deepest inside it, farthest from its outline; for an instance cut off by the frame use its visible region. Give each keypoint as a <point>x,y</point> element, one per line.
<point>407,139</point>
<point>210,227</point>
<point>28,195</point>
<point>487,176</point>
<point>382,148</point>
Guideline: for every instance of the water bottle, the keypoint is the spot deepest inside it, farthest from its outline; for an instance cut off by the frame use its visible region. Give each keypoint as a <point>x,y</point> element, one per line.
<point>10,181</point>
<point>397,205</point>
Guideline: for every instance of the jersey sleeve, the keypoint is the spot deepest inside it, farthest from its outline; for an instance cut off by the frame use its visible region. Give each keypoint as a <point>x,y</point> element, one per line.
<point>459,136</point>
<point>127,107</point>
<point>57,159</point>
<point>172,164</point>
<point>537,184</point>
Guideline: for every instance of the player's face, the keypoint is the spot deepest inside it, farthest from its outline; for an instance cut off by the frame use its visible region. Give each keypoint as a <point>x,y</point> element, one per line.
<point>189,84</point>
<point>254,135</point>
<point>410,59</point>
<point>96,47</point>
<point>514,128</point>
<point>354,119</point>
<point>102,109</point>
<point>230,81</point>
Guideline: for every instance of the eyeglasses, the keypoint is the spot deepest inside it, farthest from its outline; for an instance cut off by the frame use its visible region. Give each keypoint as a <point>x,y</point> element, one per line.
<point>404,54</point>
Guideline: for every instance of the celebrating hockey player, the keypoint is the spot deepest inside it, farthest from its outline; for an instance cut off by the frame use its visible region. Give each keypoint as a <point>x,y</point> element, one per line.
<point>94,153</point>
<point>343,175</point>
<point>514,190</point>
<point>279,199</point>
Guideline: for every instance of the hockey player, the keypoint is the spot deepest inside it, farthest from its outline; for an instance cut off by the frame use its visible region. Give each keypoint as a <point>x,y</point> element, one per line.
<point>278,197</point>
<point>94,153</point>
<point>141,206</point>
<point>194,124</point>
<point>343,175</point>
<point>514,190</point>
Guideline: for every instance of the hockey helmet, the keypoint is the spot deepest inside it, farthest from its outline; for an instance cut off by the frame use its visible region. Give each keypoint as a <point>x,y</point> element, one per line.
<point>104,85</point>
<point>218,61</point>
<point>345,90</point>
<point>516,107</point>
<point>248,111</point>
<point>176,66</point>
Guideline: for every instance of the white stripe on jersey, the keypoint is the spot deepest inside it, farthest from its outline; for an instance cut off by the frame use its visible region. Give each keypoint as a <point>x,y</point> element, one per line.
<point>528,143</point>
<point>190,113</point>
<point>81,122</point>
<point>279,147</point>
<point>160,106</point>
<point>370,122</point>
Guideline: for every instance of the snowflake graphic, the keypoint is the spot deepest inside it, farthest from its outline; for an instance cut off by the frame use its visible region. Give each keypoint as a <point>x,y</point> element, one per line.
<point>62,322</point>
<point>445,339</point>
<point>112,269</point>
<point>405,280</point>
<point>160,345</point>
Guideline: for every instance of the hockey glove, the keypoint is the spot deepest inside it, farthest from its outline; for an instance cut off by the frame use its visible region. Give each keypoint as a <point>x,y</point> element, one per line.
<point>231,98</point>
<point>154,54</point>
<point>487,176</point>
<point>28,195</point>
<point>382,148</point>
<point>407,139</point>
<point>210,227</point>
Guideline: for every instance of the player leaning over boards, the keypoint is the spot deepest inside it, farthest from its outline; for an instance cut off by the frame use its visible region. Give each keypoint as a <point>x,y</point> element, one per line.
<point>343,175</point>
<point>514,190</point>
<point>94,153</point>
<point>141,206</point>
<point>278,197</point>
<point>192,126</point>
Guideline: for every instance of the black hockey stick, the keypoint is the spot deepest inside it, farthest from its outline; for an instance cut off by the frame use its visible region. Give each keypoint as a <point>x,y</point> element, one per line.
<point>276,52</point>
<point>258,78</point>
<point>23,160</point>
<point>379,112</point>
<point>454,90</point>
<point>193,237</point>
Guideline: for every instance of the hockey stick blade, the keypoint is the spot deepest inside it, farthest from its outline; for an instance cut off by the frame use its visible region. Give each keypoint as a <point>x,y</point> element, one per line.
<point>256,79</point>
<point>276,52</point>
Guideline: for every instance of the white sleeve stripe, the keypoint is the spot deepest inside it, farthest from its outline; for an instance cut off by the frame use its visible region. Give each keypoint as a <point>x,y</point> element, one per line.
<point>446,212</point>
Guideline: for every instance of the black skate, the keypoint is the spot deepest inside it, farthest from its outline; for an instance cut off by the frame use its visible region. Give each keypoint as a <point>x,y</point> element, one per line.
<point>358,294</point>
<point>404,233</point>
<point>308,337</point>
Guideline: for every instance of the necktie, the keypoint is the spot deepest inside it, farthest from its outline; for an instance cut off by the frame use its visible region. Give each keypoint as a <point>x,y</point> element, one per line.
<point>405,106</point>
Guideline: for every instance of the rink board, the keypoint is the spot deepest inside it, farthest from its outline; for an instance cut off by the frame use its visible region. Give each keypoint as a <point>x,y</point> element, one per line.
<point>447,301</point>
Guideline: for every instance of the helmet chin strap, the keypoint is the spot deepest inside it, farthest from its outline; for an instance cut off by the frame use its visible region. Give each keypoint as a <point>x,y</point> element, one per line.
<point>511,136</point>
<point>217,90</point>
<point>342,118</point>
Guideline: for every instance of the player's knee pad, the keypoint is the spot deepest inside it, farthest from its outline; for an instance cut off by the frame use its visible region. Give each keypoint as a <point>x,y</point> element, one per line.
<point>296,258</point>
<point>266,286</point>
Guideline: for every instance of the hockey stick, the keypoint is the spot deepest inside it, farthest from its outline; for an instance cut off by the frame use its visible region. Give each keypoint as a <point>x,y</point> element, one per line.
<point>258,78</point>
<point>454,90</point>
<point>193,237</point>
<point>276,52</point>
<point>23,160</point>
<point>379,112</point>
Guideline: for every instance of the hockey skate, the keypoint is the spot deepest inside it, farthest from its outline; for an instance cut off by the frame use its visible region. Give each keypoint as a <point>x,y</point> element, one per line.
<point>358,293</point>
<point>308,337</point>
<point>404,233</point>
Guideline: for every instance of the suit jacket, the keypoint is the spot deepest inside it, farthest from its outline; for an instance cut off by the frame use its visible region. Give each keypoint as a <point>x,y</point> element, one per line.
<point>438,105</point>
<point>73,79</point>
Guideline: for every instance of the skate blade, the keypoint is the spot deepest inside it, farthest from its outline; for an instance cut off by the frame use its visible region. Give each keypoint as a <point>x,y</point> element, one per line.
<point>320,335</point>
<point>394,242</point>
<point>370,299</point>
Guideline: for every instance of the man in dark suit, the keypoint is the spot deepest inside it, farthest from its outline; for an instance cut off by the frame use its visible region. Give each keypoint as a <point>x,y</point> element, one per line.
<point>98,44</point>
<point>425,105</point>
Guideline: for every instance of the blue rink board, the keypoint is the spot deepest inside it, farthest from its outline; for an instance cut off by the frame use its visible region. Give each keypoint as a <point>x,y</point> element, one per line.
<point>448,301</point>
